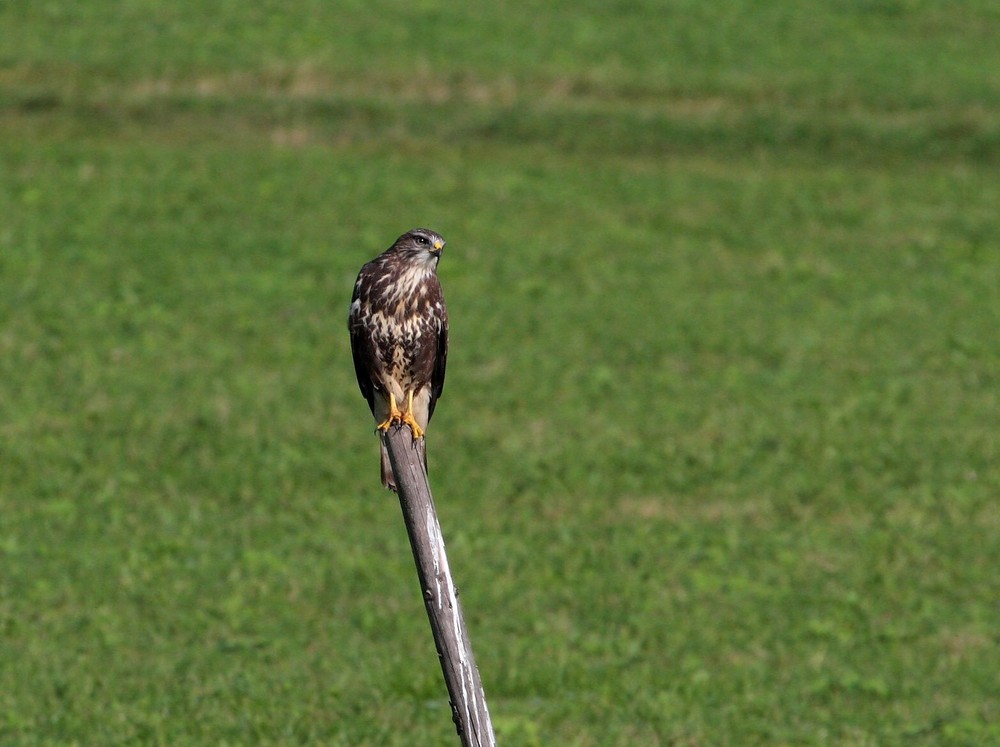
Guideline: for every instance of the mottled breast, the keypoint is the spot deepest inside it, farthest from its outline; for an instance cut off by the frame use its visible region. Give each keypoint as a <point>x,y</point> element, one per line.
<point>402,311</point>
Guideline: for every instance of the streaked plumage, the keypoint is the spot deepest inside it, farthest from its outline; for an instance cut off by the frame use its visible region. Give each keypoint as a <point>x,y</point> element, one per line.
<point>399,335</point>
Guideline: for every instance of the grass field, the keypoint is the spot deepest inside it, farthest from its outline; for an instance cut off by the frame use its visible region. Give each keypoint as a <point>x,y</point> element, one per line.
<point>717,459</point>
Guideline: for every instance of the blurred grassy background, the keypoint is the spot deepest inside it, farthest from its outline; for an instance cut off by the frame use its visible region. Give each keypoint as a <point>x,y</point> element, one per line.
<point>717,457</point>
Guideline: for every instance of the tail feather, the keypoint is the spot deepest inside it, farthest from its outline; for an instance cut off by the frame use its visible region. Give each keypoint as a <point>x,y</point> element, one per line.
<point>388,478</point>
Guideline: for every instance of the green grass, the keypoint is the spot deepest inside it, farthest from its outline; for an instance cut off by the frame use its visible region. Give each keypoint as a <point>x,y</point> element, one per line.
<point>717,460</point>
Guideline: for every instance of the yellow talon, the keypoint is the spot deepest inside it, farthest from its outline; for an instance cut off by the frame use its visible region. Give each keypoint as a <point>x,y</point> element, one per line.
<point>408,418</point>
<point>418,432</point>
<point>395,416</point>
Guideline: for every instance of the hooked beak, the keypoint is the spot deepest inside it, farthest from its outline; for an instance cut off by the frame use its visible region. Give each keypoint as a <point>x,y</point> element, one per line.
<point>438,246</point>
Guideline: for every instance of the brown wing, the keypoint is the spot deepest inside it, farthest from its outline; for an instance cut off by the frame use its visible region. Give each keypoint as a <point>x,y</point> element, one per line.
<point>361,348</point>
<point>441,359</point>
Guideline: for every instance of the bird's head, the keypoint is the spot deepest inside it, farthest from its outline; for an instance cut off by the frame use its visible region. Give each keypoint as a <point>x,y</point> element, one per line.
<point>420,244</point>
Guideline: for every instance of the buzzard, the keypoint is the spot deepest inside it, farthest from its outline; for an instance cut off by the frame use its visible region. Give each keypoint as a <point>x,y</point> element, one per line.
<point>399,336</point>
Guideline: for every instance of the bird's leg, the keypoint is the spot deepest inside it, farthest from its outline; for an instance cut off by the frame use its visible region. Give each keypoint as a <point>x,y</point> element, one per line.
<point>408,418</point>
<point>395,416</point>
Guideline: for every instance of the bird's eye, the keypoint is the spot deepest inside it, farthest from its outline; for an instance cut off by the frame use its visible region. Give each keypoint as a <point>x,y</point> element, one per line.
<point>422,240</point>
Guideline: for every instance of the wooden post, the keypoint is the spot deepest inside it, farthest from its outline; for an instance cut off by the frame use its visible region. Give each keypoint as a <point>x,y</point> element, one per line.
<point>461,675</point>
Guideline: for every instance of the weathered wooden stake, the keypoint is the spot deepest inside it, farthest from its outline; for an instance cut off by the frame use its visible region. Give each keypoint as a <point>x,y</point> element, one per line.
<point>461,675</point>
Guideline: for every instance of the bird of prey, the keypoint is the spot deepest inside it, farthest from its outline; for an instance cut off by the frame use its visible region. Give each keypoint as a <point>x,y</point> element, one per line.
<point>399,336</point>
